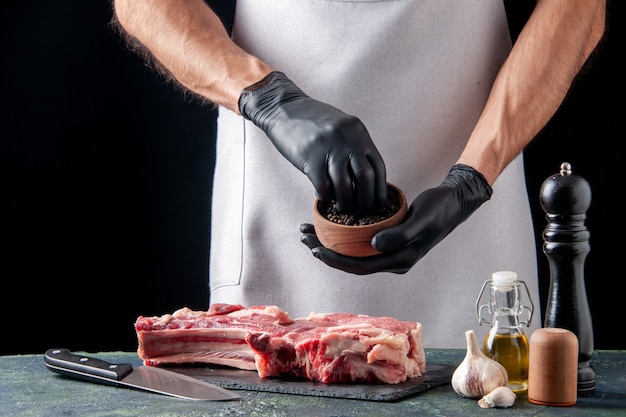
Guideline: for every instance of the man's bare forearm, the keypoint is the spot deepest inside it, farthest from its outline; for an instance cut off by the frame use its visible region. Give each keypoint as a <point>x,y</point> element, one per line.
<point>551,50</point>
<point>190,42</point>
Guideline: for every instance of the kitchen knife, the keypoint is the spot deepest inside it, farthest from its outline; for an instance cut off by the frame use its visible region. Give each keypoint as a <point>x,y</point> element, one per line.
<point>147,378</point>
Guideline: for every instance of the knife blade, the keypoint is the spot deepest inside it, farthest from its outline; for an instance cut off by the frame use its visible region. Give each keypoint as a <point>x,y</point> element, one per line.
<point>148,378</point>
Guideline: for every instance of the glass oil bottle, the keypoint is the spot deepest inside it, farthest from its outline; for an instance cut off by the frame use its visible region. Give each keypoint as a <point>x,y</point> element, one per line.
<point>506,341</point>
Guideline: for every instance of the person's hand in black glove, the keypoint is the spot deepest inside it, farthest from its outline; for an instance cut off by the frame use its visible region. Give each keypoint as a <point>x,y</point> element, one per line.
<point>431,217</point>
<point>332,148</point>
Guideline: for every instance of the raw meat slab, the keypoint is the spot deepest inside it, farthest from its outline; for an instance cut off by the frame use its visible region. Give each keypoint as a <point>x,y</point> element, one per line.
<point>435,375</point>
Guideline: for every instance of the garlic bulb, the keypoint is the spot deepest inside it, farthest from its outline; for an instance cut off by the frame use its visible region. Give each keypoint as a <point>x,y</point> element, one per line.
<point>478,374</point>
<point>499,397</point>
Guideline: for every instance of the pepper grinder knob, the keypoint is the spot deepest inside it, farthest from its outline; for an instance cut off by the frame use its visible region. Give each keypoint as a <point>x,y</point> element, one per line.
<point>565,198</point>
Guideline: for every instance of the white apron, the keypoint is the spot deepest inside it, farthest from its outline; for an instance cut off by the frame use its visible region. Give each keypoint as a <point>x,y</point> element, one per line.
<point>417,73</point>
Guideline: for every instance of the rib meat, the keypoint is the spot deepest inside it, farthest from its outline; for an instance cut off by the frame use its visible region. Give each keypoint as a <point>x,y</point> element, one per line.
<point>330,348</point>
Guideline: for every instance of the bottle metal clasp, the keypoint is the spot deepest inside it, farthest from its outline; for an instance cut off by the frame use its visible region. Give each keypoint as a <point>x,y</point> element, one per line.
<point>481,307</point>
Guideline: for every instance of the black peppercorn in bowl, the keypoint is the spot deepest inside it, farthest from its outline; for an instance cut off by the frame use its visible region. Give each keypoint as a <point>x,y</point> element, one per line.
<point>350,235</point>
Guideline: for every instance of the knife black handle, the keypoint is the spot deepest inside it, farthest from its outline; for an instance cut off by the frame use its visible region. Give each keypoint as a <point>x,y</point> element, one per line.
<point>65,362</point>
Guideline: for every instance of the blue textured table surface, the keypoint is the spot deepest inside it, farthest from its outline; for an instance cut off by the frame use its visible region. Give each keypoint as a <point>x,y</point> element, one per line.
<point>27,388</point>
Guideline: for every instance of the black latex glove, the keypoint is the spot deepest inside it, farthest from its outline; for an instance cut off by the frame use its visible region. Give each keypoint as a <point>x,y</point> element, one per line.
<point>431,217</point>
<point>332,148</point>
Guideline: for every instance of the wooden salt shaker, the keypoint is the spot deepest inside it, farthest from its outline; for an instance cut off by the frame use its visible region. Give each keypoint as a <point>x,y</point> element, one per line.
<point>553,367</point>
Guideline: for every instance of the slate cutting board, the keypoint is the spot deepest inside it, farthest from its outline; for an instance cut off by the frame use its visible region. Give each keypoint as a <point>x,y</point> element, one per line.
<point>435,375</point>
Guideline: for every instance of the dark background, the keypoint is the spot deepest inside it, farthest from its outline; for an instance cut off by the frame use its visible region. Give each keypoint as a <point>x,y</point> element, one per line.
<point>106,177</point>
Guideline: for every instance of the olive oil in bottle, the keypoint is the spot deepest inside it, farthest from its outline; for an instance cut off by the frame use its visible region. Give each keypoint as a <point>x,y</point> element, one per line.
<point>506,341</point>
<point>511,351</point>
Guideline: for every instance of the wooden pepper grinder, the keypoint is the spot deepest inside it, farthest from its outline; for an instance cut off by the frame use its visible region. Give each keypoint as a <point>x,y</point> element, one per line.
<point>565,198</point>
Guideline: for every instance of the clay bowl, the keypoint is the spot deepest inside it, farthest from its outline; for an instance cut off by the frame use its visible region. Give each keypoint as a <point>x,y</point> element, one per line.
<point>355,240</point>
